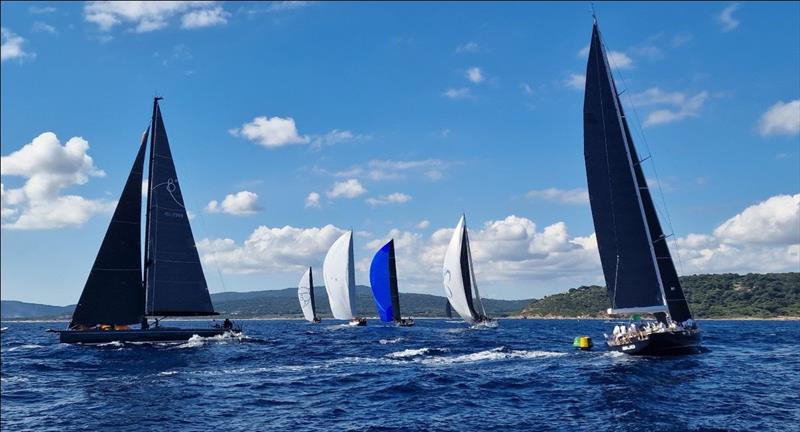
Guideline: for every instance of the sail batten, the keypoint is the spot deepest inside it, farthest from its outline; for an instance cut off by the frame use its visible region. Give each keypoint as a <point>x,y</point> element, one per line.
<point>113,293</point>
<point>174,279</point>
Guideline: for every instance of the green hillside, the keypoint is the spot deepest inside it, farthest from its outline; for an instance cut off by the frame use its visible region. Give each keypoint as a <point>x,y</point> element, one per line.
<point>752,295</point>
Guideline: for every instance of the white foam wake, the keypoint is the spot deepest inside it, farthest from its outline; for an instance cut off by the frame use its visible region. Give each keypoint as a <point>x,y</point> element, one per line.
<point>391,341</point>
<point>500,353</point>
<point>410,353</point>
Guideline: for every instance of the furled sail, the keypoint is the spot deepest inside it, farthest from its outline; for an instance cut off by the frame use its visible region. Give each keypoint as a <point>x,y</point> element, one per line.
<point>305,293</point>
<point>113,293</point>
<point>338,271</point>
<point>457,273</point>
<point>174,280</point>
<point>631,243</point>
<point>383,279</point>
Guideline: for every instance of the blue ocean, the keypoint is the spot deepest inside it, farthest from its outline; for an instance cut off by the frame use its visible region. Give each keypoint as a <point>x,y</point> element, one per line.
<point>441,375</point>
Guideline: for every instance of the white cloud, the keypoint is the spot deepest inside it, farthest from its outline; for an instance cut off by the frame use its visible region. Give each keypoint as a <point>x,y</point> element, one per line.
<point>423,224</point>
<point>616,59</point>
<point>379,170</point>
<point>146,16</point>
<point>41,9</point>
<point>619,60</point>
<point>783,118</point>
<point>576,81</point>
<point>204,18</point>
<point>312,200</point>
<point>681,39</point>
<point>774,221</point>
<point>43,27</point>
<point>271,132</point>
<point>241,203</point>
<point>270,249</point>
<point>351,188</point>
<point>571,196</point>
<point>475,75</point>
<point>394,198</point>
<point>526,88</point>
<point>726,19</point>
<point>335,136</point>
<point>457,93</point>
<point>469,47</point>
<point>682,106</point>
<point>11,47</point>
<point>48,168</point>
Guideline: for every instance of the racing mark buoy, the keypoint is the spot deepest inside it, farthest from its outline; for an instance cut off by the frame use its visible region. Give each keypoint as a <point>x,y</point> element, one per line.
<point>583,343</point>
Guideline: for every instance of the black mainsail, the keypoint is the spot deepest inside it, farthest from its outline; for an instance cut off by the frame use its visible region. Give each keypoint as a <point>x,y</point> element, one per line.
<point>113,292</point>
<point>174,279</point>
<point>637,265</point>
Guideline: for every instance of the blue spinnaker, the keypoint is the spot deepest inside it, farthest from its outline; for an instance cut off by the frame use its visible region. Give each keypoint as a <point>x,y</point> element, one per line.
<point>383,280</point>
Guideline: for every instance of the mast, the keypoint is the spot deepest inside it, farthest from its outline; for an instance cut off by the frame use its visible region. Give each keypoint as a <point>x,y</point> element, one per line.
<point>472,270</point>
<point>150,161</point>
<point>311,293</point>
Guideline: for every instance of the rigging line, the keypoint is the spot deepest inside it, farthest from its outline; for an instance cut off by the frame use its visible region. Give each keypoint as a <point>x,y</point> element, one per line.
<point>640,131</point>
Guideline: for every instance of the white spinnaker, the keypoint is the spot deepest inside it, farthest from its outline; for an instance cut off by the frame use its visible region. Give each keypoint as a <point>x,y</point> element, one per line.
<point>304,295</point>
<point>452,281</point>
<point>339,273</point>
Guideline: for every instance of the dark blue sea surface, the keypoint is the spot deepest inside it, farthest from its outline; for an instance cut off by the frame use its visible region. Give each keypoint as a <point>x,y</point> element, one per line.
<point>438,376</point>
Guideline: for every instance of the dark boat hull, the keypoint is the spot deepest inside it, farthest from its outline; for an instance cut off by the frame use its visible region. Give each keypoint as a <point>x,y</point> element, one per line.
<point>152,335</point>
<point>662,344</point>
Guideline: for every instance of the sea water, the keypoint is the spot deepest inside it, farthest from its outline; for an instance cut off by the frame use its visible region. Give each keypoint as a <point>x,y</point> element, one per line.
<point>523,375</point>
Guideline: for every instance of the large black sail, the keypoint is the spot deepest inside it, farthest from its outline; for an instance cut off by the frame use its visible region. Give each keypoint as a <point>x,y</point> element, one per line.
<point>113,293</point>
<point>174,276</point>
<point>623,236</point>
<point>676,301</point>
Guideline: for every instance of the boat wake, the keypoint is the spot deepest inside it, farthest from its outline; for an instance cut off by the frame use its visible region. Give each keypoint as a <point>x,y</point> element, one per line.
<point>391,341</point>
<point>24,347</point>
<point>412,353</point>
<point>484,325</point>
<point>500,353</point>
<point>197,341</point>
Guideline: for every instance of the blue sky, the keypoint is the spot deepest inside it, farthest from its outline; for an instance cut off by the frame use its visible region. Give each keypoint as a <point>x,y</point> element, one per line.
<point>398,117</point>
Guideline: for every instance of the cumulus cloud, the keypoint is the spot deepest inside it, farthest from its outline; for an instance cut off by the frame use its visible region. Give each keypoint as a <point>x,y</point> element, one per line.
<point>146,16</point>
<point>271,132</point>
<point>48,168</point>
<point>270,249</point>
<point>457,93</point>
<point>241,203</point>
<point>204,18</point>
<point>726,18</point>
<point>351,188</point>
<point>11,46</point>
<point>566,196</point>
<point>312,200</point>
<point>423,224</point>
<point>475,75</point>
<point>783,118</point>
<point>774,221</point>
<point>576,81</point>
<point>394,198</point>
<point>680,105</point>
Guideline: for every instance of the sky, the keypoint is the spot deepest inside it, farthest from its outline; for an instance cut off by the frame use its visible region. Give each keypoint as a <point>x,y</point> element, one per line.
<point>291,122</point>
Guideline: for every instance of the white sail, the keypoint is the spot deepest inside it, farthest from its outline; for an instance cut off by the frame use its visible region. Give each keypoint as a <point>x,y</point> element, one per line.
<point>453,276</point>
<point>304,293</point>
<point>339,273</point>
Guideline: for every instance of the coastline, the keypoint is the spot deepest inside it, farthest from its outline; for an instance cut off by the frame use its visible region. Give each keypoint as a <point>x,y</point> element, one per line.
<point>517,317</point>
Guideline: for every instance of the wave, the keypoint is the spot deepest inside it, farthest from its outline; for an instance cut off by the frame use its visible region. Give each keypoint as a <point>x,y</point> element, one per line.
<point>197,340</point>
<point>410,353</point>
<point>500,353</point>
<point>117,344</point>
<point>391,341</point>
<point>25,347</point>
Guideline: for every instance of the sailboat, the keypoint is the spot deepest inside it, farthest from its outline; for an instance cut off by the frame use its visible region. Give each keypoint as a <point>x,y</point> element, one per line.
<point>116,295</point>
<point>305,293</point>
<point>459,277</point>
<point>339,273</point>
<point>383,279</point>
<point>637,265</point>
